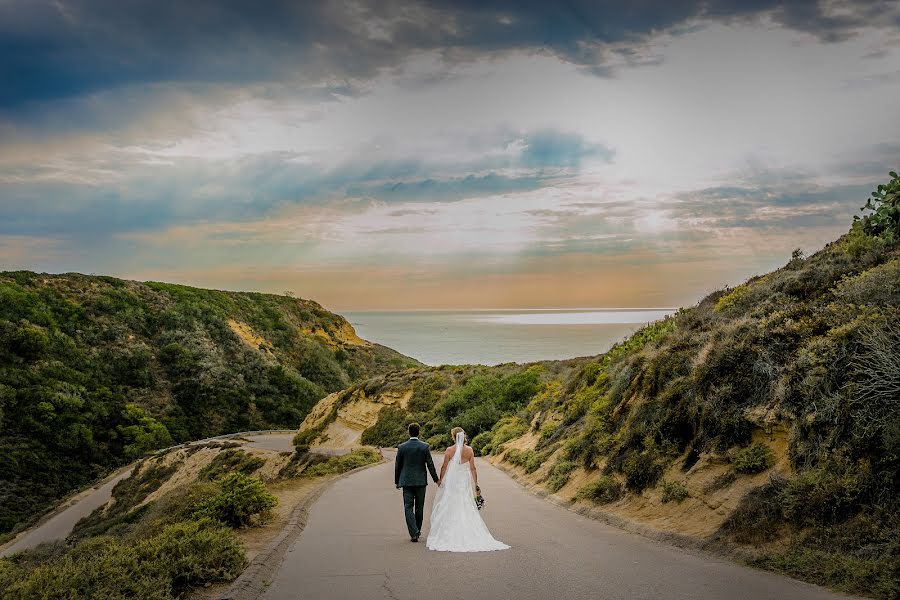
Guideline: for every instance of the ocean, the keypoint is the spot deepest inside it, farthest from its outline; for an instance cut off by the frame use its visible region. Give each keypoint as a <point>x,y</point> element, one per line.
<point>491,337</point>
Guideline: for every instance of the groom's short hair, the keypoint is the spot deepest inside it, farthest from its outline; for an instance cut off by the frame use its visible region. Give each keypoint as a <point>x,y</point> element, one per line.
<point>413,430</point>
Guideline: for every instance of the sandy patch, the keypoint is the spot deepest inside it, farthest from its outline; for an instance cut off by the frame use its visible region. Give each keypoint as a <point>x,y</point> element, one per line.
<point>356,415</point>
<point>345,335</point>
<point>245,332</point>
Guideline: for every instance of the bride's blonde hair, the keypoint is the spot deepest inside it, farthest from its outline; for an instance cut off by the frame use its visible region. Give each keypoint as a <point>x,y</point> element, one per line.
<point>456,430</point>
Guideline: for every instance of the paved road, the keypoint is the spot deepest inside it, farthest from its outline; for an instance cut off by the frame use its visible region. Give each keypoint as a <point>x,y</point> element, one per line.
<point>355,547</point>
<point>61,524</point>
<point>277,442</point>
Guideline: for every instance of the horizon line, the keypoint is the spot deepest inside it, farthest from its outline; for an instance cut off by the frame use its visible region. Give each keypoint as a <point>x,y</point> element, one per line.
<point>586,308</point>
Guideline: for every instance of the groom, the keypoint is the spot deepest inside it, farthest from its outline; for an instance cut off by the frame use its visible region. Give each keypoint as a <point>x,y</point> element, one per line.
<point>409,473</point>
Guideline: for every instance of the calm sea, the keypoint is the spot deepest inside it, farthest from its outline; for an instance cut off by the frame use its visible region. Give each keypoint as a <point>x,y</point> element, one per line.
<point>491,337</point>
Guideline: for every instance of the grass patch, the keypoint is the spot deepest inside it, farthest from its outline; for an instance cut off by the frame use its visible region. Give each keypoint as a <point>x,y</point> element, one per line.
<point>603,491</point>
<point>230,461</point>
<point>241,501</point>
<point>847,573</point>
<point>161,567</point>
<point>641,471</point>
<point>559,475</point>
<point>674,491</point>
<point>341,464</point>
<point>755,458</point>
<point>146,478</point>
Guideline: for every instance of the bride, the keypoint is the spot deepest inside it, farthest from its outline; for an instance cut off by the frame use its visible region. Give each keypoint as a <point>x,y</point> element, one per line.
<point>456,524</point>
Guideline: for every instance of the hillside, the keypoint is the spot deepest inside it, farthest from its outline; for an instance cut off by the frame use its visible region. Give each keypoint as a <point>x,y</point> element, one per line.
<point>764,421</point>
<point>95,371</point>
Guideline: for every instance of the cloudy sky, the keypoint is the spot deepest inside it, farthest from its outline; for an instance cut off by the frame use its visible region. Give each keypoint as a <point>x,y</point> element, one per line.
<point>393,154</point>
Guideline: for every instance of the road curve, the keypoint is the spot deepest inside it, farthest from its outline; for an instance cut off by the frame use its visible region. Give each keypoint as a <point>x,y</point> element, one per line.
<point>355,547</point>
<point>62,522</point>
<point>60,525</point>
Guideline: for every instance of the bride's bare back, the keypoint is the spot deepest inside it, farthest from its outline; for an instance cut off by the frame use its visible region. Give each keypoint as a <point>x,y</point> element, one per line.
<point>467,456</point>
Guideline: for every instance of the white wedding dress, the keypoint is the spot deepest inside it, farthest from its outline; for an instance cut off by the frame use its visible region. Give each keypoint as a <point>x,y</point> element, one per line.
<point>456,524</point>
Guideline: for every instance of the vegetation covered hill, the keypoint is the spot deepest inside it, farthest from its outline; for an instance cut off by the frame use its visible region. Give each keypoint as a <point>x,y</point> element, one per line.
<point>765,418</point>
<point>186,519</point>
<point>95,371</point>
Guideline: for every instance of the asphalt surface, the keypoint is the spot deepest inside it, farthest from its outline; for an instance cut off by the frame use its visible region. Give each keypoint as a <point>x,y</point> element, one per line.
<point>61,524</point>
<point>277,442</point>
<point>355,546</point>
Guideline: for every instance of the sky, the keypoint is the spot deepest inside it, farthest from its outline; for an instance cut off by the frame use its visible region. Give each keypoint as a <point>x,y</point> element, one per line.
<point>434,154</point>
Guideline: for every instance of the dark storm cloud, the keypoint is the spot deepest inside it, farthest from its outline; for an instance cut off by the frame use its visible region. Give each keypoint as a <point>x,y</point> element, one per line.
<point>67,48</point>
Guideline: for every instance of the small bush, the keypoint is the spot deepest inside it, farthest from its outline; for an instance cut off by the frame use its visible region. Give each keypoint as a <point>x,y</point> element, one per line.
<point>481,443</point>
<point>513,456</point>
<point>98,568</point>
<point>559,475</point>
<point>242,501</point>
<point>825,495</point>
<point>533,461</point>
<point>758,517</point>
<point>194,553</point>
<point>308,436</point>
<point>508,429</point>
<point>158,568</point>
<point>389,430</point>
<point>755,458</point>
<point>230,461</point>
<point>341,464</point>
<point>604,490</point>
<point>847,573</point>
<point>674,491</point>
<point>641,471</point>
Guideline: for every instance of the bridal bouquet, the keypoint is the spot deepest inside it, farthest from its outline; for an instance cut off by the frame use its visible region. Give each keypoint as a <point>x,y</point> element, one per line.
<point>479,499</point>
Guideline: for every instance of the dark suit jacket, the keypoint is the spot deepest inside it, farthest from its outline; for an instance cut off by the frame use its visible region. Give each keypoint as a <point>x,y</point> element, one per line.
<point>409,468</point>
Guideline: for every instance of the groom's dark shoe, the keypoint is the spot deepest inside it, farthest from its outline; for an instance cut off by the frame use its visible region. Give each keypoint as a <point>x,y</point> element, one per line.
<point>414,539</point>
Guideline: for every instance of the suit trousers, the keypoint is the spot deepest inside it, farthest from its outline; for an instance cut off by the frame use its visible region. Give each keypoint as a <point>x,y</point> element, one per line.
<point>414,507</point>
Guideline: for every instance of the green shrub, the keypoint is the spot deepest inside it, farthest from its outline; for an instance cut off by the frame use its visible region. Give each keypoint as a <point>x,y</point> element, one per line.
<point>242,500</point>
<point>533,460</point>
<point>603,491</point>
<point>825,495</point>
<point>176,506</point>
<point>879,577</point>
<point>858,244</point>
<point>559,475</point>
<point>513,456</point>
<point>147,476</point>
<point>758,517</point>
<point>641,471</point>
<point>390,429</point>
<point>194,553</point>
<point>157,568</point>
<point>674,491</point>
<point>884,220</point>
<point>341,464</point>
<point>508,429</point>
<point>308,436</point>
<point>101,567</point>
<point>548,430</point>
<point>755,458</point>
<point>482,443</point>
<point>230,461</point>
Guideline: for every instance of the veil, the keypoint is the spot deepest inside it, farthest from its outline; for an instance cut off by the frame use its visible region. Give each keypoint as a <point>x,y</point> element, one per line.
<point>457,480</point>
